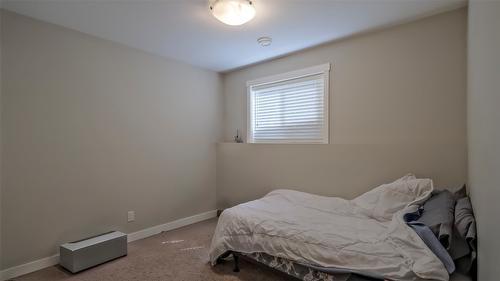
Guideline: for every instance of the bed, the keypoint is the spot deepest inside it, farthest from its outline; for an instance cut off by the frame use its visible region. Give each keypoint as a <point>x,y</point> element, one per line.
<point>313,237</point>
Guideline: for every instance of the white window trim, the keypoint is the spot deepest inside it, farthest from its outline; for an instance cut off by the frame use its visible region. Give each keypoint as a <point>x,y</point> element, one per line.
<point>318,69</point>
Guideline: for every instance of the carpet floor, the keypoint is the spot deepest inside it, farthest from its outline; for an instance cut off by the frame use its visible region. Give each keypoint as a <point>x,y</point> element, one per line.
<point>180,255</point>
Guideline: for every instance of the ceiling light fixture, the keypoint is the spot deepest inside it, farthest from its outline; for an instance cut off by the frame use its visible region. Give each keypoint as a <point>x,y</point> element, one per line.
<point>264,41</point>
<point>232,12</point>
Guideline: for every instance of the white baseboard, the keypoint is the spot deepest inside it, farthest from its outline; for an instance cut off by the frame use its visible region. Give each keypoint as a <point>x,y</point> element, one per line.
<point>170,225</point>
<point>28,267</point>
<point>141,234</point>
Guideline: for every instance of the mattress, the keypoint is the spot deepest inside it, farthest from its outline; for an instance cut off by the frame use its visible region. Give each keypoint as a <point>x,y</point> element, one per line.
<point>304,272</point>
<point>366,235</point>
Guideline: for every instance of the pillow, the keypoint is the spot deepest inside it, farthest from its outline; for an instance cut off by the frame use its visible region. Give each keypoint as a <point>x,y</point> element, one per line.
<point>457,192</point>
<point>406,177</point>
<point>464,218</point>
<point>382,202</point>
<point>460,193</point>
<point>438,214</point>
<point>463,249</point>
<point>459,247</point>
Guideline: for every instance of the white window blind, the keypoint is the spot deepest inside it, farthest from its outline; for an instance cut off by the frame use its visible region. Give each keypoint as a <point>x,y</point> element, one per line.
<point>292,108</point>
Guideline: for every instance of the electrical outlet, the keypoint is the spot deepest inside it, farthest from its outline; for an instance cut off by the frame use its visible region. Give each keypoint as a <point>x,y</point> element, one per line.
<point>130,216</point>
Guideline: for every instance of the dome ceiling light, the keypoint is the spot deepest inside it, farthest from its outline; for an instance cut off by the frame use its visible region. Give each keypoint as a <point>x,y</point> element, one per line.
<point>232,12</point>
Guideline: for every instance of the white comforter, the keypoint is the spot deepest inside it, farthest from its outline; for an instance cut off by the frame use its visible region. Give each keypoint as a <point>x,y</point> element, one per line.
<point>366,234</point>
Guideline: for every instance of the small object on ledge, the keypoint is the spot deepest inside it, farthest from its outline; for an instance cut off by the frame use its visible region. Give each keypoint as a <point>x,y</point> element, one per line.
<point>238,138</point>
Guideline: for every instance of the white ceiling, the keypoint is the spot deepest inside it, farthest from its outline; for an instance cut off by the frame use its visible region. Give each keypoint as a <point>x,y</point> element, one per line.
<point>185,30</point>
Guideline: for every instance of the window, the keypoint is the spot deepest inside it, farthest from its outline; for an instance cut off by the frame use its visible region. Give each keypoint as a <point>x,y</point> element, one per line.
<point>290,107</point>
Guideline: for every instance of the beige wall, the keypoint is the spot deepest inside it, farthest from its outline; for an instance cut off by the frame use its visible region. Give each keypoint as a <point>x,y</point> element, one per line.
<point>483,101</point>
<point>92,129</point>
<point>1,213</point>
<point>397,101</point>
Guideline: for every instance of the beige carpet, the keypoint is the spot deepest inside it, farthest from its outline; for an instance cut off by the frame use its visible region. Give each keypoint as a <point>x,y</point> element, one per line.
<point>180,254</point>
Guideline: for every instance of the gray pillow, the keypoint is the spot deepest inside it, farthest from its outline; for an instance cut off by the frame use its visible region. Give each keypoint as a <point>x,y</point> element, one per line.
<point>457,192</point>
<point>460,193</point>
<point>464,219</point>
<point>438,214</point>
<point>463,249</point>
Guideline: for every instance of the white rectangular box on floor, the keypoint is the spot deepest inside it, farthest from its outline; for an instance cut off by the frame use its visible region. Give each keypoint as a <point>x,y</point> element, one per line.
<point>79,255</point>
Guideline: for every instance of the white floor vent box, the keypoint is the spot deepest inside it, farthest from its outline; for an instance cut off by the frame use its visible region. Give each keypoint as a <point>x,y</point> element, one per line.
<point>79,255</point>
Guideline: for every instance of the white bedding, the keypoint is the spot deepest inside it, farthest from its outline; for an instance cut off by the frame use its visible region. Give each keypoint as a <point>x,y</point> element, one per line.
<point>366,234</point>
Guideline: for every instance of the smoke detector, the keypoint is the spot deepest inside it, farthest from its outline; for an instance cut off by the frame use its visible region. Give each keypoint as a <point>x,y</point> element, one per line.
<point>264,41</point>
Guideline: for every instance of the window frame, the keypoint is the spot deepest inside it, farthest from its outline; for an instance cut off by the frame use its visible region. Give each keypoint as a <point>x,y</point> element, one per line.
<point>323,69</point>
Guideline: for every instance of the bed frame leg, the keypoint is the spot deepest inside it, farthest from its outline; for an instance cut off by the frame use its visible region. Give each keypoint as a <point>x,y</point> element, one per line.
<point>236,266</point>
